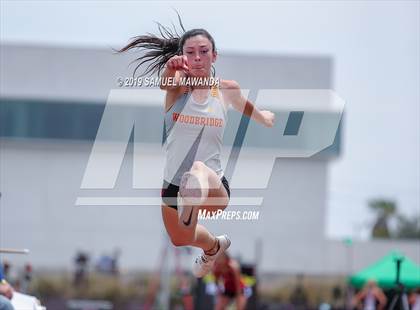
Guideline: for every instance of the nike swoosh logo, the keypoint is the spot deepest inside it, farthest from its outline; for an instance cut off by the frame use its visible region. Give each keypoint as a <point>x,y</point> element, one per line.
<point>188,222</point>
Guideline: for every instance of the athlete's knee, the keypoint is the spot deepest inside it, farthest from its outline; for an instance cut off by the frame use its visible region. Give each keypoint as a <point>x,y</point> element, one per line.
<point>198,165</point>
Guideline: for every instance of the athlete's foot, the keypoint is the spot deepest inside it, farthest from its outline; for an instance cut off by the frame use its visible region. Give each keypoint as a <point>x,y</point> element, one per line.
<point>204,263</point>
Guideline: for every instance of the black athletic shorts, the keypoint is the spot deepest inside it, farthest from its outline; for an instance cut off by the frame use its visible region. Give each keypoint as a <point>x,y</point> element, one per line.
<point>231,294</point>
<point>169,192</point>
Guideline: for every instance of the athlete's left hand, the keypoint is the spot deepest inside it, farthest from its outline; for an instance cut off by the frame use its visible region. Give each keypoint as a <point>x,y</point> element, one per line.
<point>268,118</point>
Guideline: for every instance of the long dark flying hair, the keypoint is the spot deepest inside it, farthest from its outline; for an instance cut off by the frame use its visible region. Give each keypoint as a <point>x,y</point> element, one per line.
<point>160,49</point>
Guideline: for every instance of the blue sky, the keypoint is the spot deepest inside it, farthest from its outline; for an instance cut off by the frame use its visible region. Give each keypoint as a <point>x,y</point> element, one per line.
<point>375,46</point>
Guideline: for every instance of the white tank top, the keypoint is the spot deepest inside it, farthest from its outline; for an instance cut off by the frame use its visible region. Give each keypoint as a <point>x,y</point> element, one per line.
<point>416,305</point>
<point>193,131</point>
<point>370,301</point>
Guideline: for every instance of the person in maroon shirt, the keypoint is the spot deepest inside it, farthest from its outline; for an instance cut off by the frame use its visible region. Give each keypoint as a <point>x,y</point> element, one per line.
<point>227,271</point>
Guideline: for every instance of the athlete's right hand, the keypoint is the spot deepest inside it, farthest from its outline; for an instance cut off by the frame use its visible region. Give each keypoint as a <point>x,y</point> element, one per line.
<point>178,63</point>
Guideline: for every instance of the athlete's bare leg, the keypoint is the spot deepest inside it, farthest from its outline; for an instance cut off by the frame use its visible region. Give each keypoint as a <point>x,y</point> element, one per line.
<point>240,302</point>
<point>196,234</point>
<point>221,302</point>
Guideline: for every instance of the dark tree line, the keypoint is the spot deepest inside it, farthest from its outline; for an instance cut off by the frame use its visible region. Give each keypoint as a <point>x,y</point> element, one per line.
<point>407,227</point>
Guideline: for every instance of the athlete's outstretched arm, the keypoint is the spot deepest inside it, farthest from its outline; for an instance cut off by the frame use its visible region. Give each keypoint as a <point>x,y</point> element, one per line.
<point>233,95</point>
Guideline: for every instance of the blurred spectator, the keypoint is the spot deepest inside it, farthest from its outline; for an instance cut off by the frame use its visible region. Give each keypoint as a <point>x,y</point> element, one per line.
<point>299,298</point>
<point>6,269</point>
<point>371,297</point>
<point>81,266</point>
<point>115,258</point>
<point>337,294</point>
<point>104,264</point>
<point>414,299</point>
<point>228,270</point>
<point>108,264</point>
<point>26,278</point>
<point>6,292</point>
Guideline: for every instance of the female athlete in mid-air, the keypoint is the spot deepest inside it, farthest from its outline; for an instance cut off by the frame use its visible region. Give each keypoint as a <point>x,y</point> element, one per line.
<point>195,119</point>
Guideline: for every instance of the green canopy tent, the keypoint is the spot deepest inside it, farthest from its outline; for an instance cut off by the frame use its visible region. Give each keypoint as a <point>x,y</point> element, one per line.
<point>384,272</point>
